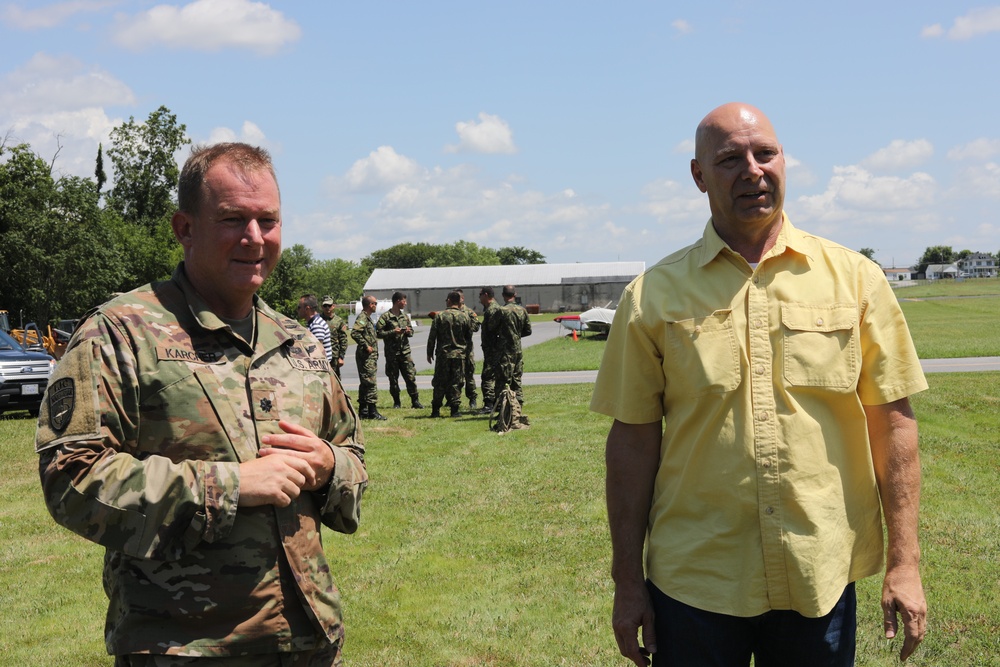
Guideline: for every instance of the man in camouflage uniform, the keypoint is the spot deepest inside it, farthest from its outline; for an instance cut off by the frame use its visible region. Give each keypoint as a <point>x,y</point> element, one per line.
<point>200,437</point>
<point>489,344</point>
<point>449,336</point>
<point>470,353</point>
<point>338,334</point>
<point>366,355</point>
<point>395,330</point>
<point>510,325</point>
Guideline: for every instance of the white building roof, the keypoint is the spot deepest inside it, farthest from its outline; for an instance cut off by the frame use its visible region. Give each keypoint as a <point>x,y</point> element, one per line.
<point>521,274</point>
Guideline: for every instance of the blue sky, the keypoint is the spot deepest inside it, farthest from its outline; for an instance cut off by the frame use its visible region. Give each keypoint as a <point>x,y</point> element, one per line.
<point>566,127</point>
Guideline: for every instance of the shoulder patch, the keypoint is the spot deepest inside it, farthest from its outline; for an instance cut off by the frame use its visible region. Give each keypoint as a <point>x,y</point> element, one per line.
<point>62,400</point>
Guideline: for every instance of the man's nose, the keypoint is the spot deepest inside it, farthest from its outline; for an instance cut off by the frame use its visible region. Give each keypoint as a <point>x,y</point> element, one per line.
<point>252,234</point>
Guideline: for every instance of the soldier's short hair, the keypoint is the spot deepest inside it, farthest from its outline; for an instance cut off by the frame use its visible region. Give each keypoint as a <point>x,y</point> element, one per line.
<point>488,291</point>
<point>509,291</point>
<point>310,301</point>
<point>368,300</point>
<point>454,297</point>
<point>398,296</point>
<point>246,158</point>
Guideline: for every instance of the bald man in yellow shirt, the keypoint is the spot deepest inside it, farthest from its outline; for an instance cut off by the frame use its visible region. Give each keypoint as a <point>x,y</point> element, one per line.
<point>758,382</point>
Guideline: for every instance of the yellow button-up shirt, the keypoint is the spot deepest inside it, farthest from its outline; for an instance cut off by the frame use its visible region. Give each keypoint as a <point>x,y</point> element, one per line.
<point>765,497</point>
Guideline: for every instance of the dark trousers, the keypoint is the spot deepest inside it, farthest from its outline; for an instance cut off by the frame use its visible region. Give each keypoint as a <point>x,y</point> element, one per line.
<point>689,637</point>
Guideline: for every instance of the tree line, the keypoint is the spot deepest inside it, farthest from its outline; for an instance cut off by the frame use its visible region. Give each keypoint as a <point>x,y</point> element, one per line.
<point>67,243</point>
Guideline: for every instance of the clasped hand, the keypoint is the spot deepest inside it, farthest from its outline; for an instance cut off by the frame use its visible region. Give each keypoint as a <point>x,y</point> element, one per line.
<point>290,463</point>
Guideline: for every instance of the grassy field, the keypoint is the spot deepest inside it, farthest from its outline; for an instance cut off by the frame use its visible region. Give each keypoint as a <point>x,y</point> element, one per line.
<point>484,550</point>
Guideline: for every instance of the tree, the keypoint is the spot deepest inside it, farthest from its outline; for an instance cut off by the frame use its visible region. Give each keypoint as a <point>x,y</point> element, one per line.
<point>58,256</point>
<point>144,193</point>
<point>517,255</point>
<point>463,253</point>
<point>939,254</point>
<point>99,174</point>
<point>146,173</point>
<point>287,282</point>
<point>342,279</point>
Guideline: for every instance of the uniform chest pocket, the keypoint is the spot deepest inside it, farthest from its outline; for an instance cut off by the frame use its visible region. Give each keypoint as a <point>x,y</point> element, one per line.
<point>703,356</point>
<point>820,345</point>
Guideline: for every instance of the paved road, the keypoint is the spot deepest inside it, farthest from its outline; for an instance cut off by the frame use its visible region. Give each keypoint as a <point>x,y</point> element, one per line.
<point>543,331</point>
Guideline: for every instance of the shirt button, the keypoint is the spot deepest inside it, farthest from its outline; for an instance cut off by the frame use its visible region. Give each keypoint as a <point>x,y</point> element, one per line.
<point>769,510</point>
<point>697,329</point>
<point>767,464</point>
<point>819,321</point>
<point>759,370</point>
<point>758,323</point>
<point>756,280</point>
<point>762,416</point>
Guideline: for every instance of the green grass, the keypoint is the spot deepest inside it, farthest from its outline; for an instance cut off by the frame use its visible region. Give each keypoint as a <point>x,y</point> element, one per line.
<point>484,550</point>
<point>951,288</point>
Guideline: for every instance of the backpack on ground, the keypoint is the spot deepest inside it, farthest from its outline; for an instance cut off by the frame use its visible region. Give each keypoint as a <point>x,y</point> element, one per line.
<point>506,414</point>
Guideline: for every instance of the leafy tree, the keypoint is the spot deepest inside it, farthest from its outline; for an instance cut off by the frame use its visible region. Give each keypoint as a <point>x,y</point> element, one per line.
<point>518,255</point>
<point>342,279</point>
<point>961,254</point>
<point>144,193</point>
<point>59,257</point>
<point>99,174</point>
<point>400,256</point>
<point>939,254</point>
<point>287,282</point>
<point>146,173</point>
<point>464,253</point>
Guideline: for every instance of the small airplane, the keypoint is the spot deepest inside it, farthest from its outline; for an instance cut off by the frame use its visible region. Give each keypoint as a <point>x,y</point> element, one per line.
<point>597,320</point>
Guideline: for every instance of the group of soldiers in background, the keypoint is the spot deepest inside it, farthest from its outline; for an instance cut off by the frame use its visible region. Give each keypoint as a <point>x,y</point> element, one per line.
<point>450,340</point>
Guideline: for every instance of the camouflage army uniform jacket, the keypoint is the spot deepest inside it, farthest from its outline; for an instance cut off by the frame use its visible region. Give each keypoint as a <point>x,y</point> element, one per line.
<point>474,323</point>
<point>363,334</point>
<point>509,326</point>
<point>145,423</point>
<point>338,336</point>
<point>450,333</point>
<point>489,336</point>
<point>385,328</point>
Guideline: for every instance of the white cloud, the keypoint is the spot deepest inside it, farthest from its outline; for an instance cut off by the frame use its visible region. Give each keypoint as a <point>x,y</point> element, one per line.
<point>209,25</point>
<point>932,31</point>
<point>899,155</point>
<point>979,149</point>
<point>982,181</point>
<point>249,133</point>
<point>51,15</point>
<point>49,84</point>
<point>979,21</point>
<point>686,147</point>
<point>381,171</point>
<point>57,105</point>
<point>855,193</point>
<point>490,135</point>
<point>682,26</point>
<point>670,202</point>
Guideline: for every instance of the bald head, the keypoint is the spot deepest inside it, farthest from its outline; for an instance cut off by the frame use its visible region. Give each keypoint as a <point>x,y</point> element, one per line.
<point>740,165</point>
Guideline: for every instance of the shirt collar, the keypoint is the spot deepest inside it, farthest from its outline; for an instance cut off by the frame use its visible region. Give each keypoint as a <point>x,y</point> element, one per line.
<point>789,238</point>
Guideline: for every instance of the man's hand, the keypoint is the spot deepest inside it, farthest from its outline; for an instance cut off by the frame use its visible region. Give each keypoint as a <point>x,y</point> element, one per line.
<point>301,444</point>
<point>340,362</point>
<point>634,609</point>
<point>271,480</point>
<point>903,594</point>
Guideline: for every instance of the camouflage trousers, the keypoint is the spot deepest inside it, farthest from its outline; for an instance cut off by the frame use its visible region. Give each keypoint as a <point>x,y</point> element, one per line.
<point>507,372</point>
<point>470,375</point>
<point>367,383</point>
<point>327,655</point>
<point>488,379</point>
<point>449,374</point>
<point>401,363</point>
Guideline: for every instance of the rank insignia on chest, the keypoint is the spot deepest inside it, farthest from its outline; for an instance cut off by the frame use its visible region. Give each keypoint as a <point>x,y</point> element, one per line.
<point>265,405</point>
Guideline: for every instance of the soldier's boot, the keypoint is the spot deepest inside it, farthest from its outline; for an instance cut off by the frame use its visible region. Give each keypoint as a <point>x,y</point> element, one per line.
<point>415,401</point>
<point>456,411</point>
<point>362,410</point>
<point>487,408</point>
<point>395,399</point>
<point>435,411</point>
<point>472,404</point>
<point>373,413</point>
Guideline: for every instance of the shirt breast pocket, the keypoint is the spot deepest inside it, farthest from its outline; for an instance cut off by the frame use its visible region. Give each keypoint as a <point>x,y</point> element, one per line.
<point>703,357</point>
<point>820,345</point>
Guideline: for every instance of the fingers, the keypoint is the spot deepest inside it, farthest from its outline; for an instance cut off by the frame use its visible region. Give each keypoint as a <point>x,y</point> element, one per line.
<point>272,480</point>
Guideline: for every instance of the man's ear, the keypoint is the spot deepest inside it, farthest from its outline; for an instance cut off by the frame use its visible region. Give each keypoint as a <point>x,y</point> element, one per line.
<point>181,223</point>
<point>698,176</point>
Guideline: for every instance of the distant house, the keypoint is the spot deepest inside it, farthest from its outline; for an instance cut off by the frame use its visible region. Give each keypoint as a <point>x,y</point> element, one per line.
<point>939,271</point>
<point>978,265</point>
<point>896,274</point>
<point>552,287</point>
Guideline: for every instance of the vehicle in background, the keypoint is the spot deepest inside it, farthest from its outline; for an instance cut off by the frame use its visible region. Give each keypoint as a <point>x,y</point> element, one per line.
<point>33,339</point>
<point>24,375</point>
